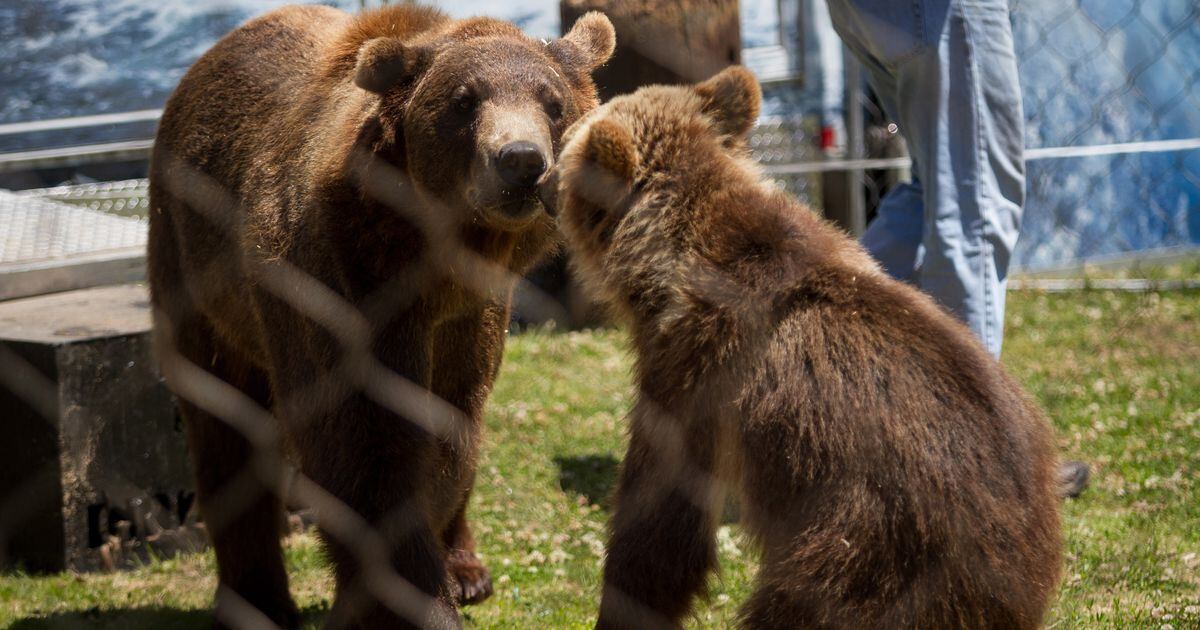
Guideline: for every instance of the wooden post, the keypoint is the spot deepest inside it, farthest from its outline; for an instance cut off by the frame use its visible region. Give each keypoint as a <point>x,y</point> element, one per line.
<point>658,41</point>
<point>842,191</point>
<point>663,41</point>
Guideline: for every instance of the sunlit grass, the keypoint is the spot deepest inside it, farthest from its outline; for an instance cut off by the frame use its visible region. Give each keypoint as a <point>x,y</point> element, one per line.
<point>1118,373</point>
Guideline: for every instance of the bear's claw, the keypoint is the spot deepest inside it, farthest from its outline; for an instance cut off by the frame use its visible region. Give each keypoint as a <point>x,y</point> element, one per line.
<point>470,582</point>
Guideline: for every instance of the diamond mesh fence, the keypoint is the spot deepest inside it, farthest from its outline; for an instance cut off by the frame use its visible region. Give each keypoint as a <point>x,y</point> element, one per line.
<point>1092,86</point>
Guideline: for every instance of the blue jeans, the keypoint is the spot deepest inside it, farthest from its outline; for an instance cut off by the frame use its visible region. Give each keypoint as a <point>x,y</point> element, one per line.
<point>946,72</point>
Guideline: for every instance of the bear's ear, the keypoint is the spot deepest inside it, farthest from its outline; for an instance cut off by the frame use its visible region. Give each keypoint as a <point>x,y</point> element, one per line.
<point>383,62</point>
<point>732,99</point>
<point>590,42</point>
<point>610,148</point>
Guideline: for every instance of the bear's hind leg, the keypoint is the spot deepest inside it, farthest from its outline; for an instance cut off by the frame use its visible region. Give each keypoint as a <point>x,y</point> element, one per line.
<point>780,603</point>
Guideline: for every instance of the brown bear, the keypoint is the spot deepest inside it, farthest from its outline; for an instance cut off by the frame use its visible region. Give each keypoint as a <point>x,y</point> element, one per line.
<point>892,474</point>
<point>340,208</point>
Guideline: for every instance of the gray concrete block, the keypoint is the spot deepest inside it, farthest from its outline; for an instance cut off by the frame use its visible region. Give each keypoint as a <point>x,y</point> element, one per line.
<point>93,461</point>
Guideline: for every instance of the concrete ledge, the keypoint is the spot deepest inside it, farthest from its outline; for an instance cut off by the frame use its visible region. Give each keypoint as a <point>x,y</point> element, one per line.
<point>94,450</point>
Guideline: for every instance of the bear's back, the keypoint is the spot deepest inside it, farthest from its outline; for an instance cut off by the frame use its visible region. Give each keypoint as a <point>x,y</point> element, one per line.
<point>892,401</point>
<point>228,108</point>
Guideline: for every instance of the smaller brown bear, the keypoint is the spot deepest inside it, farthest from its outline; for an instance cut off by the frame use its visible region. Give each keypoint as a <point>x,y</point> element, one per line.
<point>892,474</point>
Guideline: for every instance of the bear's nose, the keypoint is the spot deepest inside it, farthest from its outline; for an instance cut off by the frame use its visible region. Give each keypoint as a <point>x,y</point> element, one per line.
<point>520,164</point>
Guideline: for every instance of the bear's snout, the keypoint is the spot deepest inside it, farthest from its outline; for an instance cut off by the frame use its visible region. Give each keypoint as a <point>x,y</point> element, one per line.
<point>520,164</point>
<point>514,154</point>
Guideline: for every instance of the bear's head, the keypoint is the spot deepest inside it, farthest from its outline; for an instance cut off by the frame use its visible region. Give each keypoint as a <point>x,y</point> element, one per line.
<point>638,174</point>
<point>473,111</point>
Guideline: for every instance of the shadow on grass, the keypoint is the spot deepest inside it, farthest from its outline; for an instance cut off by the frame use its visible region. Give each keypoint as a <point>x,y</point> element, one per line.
<point>143,618</point>
<point>593,476</point>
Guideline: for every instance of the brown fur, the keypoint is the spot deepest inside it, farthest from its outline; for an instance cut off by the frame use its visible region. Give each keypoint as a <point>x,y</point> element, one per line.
<point>327,230</point>
<point>890,471</point>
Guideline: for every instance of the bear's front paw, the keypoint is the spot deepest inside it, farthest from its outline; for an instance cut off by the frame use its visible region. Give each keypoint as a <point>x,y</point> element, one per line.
<point>470,582</point>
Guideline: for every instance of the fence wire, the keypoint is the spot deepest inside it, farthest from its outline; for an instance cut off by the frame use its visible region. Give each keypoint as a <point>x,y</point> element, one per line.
<point>1079,208</point>
<point>1094,75</point>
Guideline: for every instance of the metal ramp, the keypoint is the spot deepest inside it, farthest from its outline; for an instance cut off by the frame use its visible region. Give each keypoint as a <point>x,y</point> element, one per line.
<point>48,245</point>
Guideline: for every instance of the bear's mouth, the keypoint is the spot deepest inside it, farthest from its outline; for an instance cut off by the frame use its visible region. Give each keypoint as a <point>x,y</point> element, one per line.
<point>516,202</point>
<point>512,209</point>
<point>505,208</point>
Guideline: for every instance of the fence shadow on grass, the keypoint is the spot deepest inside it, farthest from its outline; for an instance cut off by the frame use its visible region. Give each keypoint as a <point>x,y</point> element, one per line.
<point>593,476</point>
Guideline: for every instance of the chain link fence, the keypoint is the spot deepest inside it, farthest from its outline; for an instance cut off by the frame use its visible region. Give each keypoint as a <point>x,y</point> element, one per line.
<point>1095,76</point>
<point>1112,104</point>
<point>1110,73</point>
<point>1105,180</point>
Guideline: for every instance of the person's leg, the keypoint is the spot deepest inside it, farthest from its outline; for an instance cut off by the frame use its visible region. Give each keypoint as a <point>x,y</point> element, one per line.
<point>894,236</point>
<point>879,35</point>
<point>961,103</point>
<point>923,61</point>
<point>947,74</point>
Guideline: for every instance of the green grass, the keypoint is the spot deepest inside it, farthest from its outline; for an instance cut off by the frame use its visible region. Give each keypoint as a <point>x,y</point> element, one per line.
<point>1118,373</point>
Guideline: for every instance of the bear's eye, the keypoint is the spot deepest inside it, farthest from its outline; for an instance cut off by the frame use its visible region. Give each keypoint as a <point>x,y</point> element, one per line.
<point>554,109</point>
<point>463,100</point>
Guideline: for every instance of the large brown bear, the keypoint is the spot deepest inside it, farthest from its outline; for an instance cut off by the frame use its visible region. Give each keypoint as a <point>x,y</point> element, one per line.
<point>892,473</point>
<point>340,208</point>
